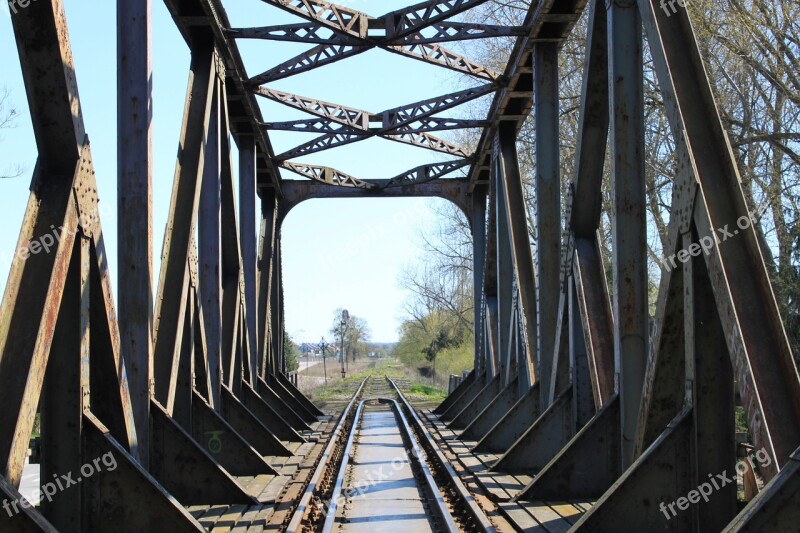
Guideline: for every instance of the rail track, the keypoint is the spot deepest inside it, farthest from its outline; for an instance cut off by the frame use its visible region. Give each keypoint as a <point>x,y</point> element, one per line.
<point>382,471</point>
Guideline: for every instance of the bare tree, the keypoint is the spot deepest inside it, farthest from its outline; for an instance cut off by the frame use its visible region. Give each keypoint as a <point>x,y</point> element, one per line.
<point>8,120</point>
<point>353,335</point>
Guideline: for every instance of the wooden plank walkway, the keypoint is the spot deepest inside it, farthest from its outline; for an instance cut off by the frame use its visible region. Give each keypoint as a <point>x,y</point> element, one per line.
<point>276,494</point>
<point>533,517</point>
<point>501,487</point>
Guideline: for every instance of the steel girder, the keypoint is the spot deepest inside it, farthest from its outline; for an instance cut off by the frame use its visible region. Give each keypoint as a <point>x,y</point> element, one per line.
<point>345,125</point>
<point>605,437</point>
<point>311,33</point>
<point>104,391</point>
<point>338,32</point>
<point>218,358</point>
<point>402,35</point>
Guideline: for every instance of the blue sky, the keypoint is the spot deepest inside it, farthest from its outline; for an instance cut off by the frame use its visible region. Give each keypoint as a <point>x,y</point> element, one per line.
<point>378,237</point>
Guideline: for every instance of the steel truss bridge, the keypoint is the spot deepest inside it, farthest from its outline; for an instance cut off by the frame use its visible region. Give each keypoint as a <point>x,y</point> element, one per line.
<point>573,387</point>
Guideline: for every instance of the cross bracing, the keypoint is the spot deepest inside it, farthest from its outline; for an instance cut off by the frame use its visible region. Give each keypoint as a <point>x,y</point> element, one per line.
<point>577,394</point>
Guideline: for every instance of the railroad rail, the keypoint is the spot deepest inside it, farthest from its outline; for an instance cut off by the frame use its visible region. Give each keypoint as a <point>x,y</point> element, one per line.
<point>379,429</point>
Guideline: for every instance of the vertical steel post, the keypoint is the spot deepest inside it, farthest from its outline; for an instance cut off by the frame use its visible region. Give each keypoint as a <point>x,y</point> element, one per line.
<point>281,324</point>
<point>628,220</point>
<point>274,307</point>
<point>135,208</point>
<point>247,237</point>
<point>269,213</point>
<point>521,248</point>
<point>548,207</point>
<point>210,249</point>
<point>478,223</point>
<point>583,406</point>
<point>505,269</point>
<point>66,392</point>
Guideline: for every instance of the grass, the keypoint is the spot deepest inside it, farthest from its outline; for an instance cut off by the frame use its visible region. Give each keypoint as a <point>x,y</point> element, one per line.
<point>342,389</point>
<point>429,392</point>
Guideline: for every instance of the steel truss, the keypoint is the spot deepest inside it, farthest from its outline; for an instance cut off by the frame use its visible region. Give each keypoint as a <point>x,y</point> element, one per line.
<point>613,415</point>
<point>147,389</point>
<point>569,384</point>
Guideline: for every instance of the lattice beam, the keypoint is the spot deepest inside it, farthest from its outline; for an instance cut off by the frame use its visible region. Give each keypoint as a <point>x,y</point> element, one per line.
<point>338,18</point>
<point>407,114</point>
<point>319,56</point>
<point>313,125</point>
<point>426,173</point>
<point>343,119</point>
<point>346,116</point>
<point>427,141</point>
<point>304,32</point>
<point>414,18</point>
<point>424,125</point>
<point>441,56</point>
<point>459,31</point>
<point>312,33</point>
<point>322,143</point>
<point>327,175</point>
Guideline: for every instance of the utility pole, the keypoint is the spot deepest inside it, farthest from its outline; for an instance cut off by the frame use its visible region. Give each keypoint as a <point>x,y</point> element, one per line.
<point>322,346</point>
<point>345,322</point>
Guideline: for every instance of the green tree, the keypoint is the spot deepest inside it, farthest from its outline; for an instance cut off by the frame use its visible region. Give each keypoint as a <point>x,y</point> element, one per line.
<point>291,352</point>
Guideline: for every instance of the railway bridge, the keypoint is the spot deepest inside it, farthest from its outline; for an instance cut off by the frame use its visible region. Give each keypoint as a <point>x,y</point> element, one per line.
<point>581,412</point>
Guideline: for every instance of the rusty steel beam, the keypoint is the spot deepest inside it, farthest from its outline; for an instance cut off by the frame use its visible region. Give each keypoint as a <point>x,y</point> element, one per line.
<point>334,17</point>
<point>513,102</point>
<point>410,113</point>
<point>401,135</point>
<point>66,382</point>
<point>319,56</point>
<point>178,239</point>
<point>235,350</point>
<point>135,204</point>
<point>581,256</point>
<point>626,99</point>
<point>320,144</point>
<point>247,237</point>
<point>326,175</point>
<point>310,33</point>
<point>298,191</point>
<point>416,17</point>
<point>351,120</point>
<point>425,173</point>
<point>267,238</point>
<point>209,246</point>
<point>313,125</point>
<point>438,55</point>
<point>37,281</point>
<point>423,125</point>
<point>524,270</point>
<point>548,207</point>
<point>427,141</point>
<point>346,116</point>
<point>448,31</point>
<point>754,331</point>
<point>203,21</point>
